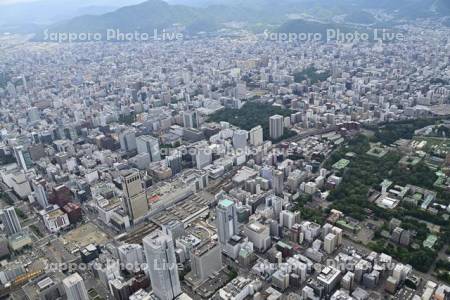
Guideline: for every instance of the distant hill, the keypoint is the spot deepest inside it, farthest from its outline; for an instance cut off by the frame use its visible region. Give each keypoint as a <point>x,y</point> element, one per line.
<point>332,32</point>
<point>442,7</point>
<point>202,25</point>
<point>360,17</point>
<point>311,27</point>
<point>157,14</point>
<point>411,8</point>
<point>146,16</point>
<point>51,11</point>
<point>303,26</point>
<point>447,22</point>
<point>211,15</point>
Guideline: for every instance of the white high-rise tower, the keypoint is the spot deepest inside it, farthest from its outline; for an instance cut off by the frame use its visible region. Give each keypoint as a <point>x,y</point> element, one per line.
<point>162,265</point>
<point>226,220</point>
<point>75,288</point>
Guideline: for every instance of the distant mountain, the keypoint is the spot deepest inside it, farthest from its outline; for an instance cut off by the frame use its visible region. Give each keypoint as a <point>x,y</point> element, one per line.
<point>410,8</point>
<point>146,16</point>
<point>447,22</point>
<point>442,7</point>
<point>202,25</point>
<point>94,10</point>
<point>303,31</point>
<point>360,17</point>
<point>210,15</point>
<point>157,14</point>
<point>312,30</point>
<point>51,11</point>
<point>197,3</point>
<point>303,26</point>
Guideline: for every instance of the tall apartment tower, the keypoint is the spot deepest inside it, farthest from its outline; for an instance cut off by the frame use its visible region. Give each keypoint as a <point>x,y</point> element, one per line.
<point>10,220</point>
<point>240,139</point>
<point>276,126</point>
<point>256,136</point>
<point>162,265</point>
<point>135,198</point>
<point>75,288</point>
<point>277,182</point>
<point>149,145</point>
<point>226,220</point>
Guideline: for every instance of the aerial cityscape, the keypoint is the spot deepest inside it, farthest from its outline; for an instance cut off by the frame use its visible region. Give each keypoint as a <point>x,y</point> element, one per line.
<point>225,149</point>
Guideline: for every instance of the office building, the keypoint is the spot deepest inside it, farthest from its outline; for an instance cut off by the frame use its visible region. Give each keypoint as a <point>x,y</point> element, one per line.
<point>190,119</point>
<point>131,256</point>
<point>226,220</point>
<point>54,218</point>
<point>75,288</point>
<point>173,228</point>
<point>206,259</point>
<point>175,162</point>
<point>329,277</point>
<point>203,156</point>
<point>127,140</point>
<point>39,191</point>
<point>162,265</point>
<point>259,235</point>
<point>135,198</point>
<point>10,220</point>
<point>348,281</point>
<point>240,139</point>
<point>149,145</point>
<point>289,218</point>
<point>23,158</point>
<point>277,206</point>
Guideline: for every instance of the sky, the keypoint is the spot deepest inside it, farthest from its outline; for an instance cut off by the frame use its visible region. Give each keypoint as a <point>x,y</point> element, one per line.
<point>13,1</point>
<point>5,2</point>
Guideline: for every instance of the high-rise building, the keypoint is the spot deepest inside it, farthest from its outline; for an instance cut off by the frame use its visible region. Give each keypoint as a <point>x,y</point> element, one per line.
<point>174,228</point>
<point>162,265</point>
<point>127,140</point>
<point>278,182</point>
<point>276,126</point>
<point>131,256</point>
<point>226,220</point>
<point>175,162</point>
<point>23,158</point>
<point>240,139</point>
<point>75,288</point>
<point>277,206</point>
<point>205,260</point>
<point>149,145</point>
<point>203,156</point>
<point>135,198</point>
<point>10,220</point>
<point>348,281</point>
<point>287,218</point>
<point>329,278</point>
<point>34,114</point>
<point>256,136</point>
<point>190,119</point>
<point>330,242</point>
<point>40,194</point>
<point>259,235</point>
